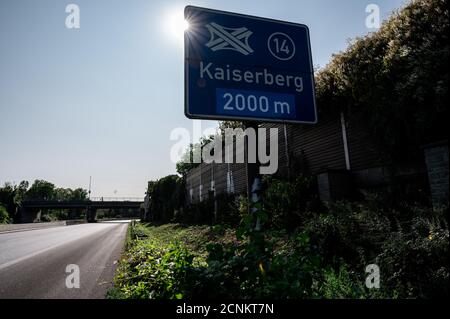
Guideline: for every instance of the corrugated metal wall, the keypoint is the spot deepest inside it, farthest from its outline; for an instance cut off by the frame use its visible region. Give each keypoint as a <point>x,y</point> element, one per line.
<point>363,154</point>
<point>311,148</point>
<point>227,177</point>
<point>319,146</point>
<point>231,178</point>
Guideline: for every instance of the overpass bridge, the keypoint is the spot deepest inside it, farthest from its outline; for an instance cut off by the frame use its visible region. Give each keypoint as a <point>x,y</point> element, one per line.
<point>30,209</point>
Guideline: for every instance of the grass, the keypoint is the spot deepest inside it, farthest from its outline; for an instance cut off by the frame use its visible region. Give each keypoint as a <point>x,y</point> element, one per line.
<point>193,237</point>
<point>159,258</point>
<point>196,237</point>
<point>158,255</point>
<point>325,258</point>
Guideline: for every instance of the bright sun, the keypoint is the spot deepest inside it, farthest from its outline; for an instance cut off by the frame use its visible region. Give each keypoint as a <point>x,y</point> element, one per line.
<point>177,24</point>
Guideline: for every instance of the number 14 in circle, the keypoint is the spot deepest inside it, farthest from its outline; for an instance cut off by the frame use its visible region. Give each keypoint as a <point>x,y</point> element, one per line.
<point>281,46</point>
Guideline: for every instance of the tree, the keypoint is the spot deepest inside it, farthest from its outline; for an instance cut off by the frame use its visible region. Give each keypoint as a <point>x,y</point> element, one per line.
<point>187,159</point>
<point>62,194</point>
<point>79,194</point>
<point>166,195</point>
<point>4,216</point>
<point>230,124</point>
<point>20,192</point>
<point>41,190</point>
<point>194,151</point>
<point>7,195</point>
<point>12,196</point>
<point>395,80</point>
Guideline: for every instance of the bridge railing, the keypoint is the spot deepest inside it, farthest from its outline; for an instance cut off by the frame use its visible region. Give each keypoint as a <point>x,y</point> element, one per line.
<point>87,200</point>
<point>117,199</point>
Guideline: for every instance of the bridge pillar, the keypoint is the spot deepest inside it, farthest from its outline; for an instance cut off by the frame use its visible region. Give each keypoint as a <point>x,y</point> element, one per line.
<point>29,215</point>
<point>72,214</point>
<point>91,214</point>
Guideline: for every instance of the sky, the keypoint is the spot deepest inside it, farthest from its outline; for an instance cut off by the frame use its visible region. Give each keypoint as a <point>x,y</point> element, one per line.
<point>102,100</point>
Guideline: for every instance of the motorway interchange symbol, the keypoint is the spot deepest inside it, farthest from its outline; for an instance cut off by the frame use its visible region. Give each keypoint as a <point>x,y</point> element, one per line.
<point>229,38</point>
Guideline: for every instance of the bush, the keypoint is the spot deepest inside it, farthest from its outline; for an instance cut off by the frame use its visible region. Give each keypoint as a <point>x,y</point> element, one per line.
<point>4,216</point>
<point>228,209</point>
<point>155,268</point>
<point>340,284</point>
<point>166,196</point>
<point>287,201</point>
<point>138,231</point>
<point>242,271</point>
<point>414,260</point>
<point>410,246</point>
<point>395,80</point>
<point>201,212</point>
<point>153,271</point>
<point>349,231</point>
<point>324,259</point>
<point>53,215</point>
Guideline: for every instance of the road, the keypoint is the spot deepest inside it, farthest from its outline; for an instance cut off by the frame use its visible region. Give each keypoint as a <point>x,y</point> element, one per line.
<point>33,263</point>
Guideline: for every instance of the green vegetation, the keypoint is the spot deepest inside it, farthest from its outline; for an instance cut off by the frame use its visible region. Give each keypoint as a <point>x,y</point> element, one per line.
<point>187,162</point>
<point>193,151</point>
<point>306,250</point>
<point>4,216</point>
<point>12,196</point>
<point>158,261</point>
<point>324,258</point>
<point>166,197</point>
<point>395,80</point>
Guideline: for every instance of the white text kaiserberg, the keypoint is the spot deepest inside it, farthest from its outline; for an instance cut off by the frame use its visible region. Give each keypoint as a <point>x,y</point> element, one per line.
<point>237,75</point>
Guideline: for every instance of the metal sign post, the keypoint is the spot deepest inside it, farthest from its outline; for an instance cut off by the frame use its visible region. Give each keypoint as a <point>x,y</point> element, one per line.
<point>253,177</point>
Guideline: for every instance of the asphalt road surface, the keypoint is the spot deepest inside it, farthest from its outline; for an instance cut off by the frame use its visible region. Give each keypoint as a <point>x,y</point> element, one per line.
<point>33,263</point>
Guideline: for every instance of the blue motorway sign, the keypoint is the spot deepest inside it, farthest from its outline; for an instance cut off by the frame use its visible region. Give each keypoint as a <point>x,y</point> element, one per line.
<point>240,67</point>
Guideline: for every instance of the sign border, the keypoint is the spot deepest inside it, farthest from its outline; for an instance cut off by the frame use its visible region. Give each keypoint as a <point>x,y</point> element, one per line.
<point>237,118</point>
